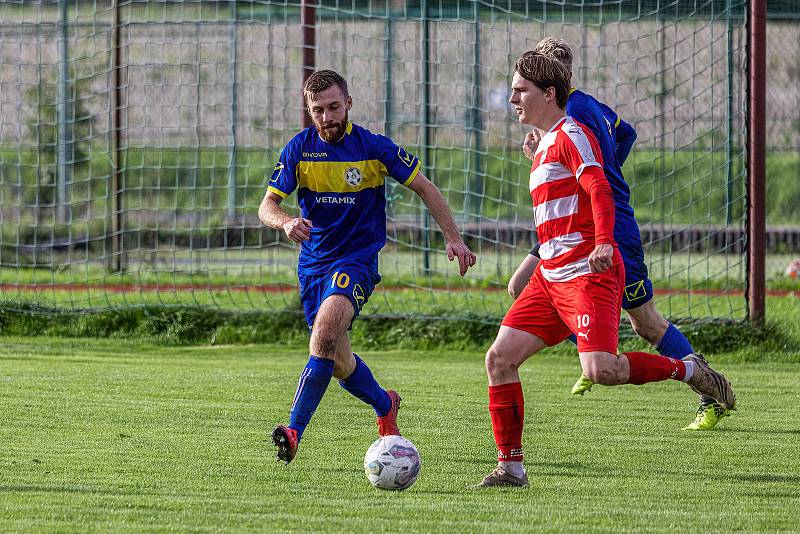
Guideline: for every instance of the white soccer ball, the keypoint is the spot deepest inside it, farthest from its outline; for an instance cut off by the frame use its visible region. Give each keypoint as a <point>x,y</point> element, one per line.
<point>392,463</point>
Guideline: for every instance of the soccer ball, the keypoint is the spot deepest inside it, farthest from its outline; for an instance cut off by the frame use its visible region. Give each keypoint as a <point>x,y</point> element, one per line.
<point>392,463</point>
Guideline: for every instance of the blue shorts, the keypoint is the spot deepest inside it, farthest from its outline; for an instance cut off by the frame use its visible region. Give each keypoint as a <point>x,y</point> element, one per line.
<point>638,287</point>
<point>354,280</point>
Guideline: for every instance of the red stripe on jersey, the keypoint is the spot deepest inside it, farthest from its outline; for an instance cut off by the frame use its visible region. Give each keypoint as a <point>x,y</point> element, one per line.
<point>563,205</point>
<point>559,189</point>
<point>558,227</point>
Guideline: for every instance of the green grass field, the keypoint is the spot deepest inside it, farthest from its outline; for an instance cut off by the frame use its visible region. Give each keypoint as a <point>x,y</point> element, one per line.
<point>123,436</point>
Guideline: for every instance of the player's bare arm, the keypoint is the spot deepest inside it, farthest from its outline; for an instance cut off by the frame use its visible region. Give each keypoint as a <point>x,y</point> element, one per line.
<point>522,275</point>
<point>433,199</point>
<point>271,214</point>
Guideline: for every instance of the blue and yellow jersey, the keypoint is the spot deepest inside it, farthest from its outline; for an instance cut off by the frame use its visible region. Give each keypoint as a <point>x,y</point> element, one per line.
<point>606,126</point>
<point>340,188</point>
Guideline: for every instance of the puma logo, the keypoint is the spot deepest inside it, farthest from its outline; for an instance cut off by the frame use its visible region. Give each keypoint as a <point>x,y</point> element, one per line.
<point>584,335</point>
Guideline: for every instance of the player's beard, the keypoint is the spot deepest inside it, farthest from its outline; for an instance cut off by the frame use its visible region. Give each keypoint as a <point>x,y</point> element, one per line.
<point>333,132</point>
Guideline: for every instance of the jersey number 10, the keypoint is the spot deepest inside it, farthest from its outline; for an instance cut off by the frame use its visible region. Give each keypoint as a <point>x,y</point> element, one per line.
<point>340,279</point>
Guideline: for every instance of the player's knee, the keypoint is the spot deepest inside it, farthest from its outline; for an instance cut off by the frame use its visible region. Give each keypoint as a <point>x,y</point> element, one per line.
<point>324,343</point>
<point>498,363</point>
<point>605,372</point>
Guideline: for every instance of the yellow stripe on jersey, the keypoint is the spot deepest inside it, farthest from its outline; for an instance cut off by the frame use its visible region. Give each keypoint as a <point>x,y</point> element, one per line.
<point>340,176</point>
<point>414,174</point>
<point>618,121</point>
<point>277,192</point>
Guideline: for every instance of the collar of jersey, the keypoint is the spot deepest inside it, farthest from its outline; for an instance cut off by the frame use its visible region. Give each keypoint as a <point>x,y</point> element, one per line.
<point>559,121</point>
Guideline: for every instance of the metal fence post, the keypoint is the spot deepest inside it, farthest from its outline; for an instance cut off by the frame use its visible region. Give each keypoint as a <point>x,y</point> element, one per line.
<point>729,133</point>
<point>117,263</point>
<point>65,95</point>
<point>476,124</point>
<point>308,21</point>
<point>426,141</point>
<point>388,55</point>
<point>231,207</point>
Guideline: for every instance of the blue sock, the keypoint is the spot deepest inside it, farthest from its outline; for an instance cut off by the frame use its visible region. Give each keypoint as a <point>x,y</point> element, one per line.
<point>573,338</point>
<point>674,344</point>
<point>311,387</point>
<point>362,385</point>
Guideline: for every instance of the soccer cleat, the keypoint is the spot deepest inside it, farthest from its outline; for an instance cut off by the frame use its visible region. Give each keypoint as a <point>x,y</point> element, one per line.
<point>582,385</point>
<point>499,477</point>
<point>708,415</point>
<point>387,425</point>
<point>707,381</point>
<point>285,439</point>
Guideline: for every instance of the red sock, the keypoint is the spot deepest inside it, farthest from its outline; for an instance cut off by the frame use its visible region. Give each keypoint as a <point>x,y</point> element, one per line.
<point>647,367</point>
<point>507,408</point>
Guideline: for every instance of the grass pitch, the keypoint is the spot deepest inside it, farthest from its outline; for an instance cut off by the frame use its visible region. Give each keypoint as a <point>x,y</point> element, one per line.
<point>121,436</point>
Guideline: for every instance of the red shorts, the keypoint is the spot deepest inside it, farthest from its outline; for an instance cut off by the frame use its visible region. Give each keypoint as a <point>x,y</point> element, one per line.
<point>587,306</point>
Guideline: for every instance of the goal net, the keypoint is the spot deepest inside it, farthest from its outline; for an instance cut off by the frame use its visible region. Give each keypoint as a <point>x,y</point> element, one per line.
<point>209,93</point>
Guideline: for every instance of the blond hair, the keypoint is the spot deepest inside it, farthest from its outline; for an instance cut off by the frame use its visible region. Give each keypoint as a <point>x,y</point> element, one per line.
<point>557,49</point>
<point>545,71</point>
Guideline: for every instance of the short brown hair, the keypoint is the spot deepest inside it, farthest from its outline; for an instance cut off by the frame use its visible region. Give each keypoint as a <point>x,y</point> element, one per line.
<point>321,80</point>
<point>556,48</point>
<point>545,71</point>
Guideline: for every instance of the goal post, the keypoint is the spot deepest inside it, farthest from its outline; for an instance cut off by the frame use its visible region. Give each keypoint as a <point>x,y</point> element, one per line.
<point>756,216</point>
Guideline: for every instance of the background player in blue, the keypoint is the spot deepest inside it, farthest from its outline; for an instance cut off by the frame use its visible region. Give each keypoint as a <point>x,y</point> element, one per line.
<point>338,170</point>
<point>616,138</point>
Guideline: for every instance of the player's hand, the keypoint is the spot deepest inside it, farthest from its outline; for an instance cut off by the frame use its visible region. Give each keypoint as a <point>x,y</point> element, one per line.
<point>601,258</point>
<point>298,230</point>
<point>531,143</point>
<point>458,249</point>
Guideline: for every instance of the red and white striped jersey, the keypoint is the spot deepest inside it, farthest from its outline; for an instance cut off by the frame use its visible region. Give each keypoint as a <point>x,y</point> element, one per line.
<point>567,161</point>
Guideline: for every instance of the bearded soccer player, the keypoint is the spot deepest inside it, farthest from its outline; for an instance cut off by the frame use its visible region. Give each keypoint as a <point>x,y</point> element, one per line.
<point>577,286</point>
<point>338,170</point>
<point>615,138</point>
